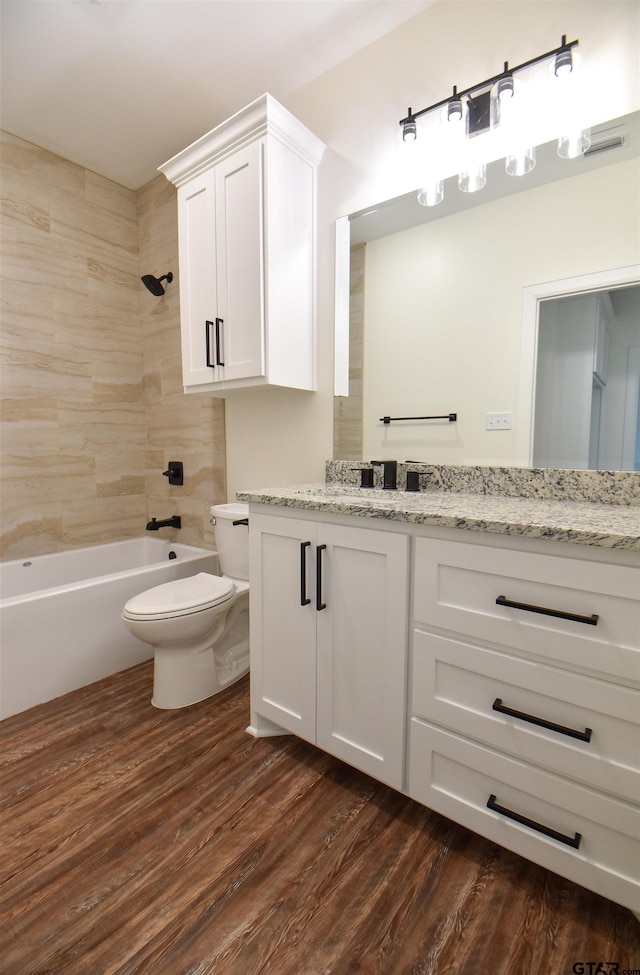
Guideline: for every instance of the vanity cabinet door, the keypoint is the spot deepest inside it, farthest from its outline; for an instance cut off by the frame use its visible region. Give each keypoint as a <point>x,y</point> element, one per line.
<point>283,623</point>
<point>329,638</point>
<point>362,641</point>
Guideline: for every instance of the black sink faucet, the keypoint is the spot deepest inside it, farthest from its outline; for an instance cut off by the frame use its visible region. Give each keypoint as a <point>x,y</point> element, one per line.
<point>389,473</point>
<point>173,522</point>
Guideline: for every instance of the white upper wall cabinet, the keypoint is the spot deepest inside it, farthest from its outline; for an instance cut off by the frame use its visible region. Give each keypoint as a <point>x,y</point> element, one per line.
<point>246,230</point>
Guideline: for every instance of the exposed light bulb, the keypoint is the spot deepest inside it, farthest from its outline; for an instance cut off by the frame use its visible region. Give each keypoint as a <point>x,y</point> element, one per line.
<point>521,162</point>
<point>564,63</point>
<point>409,131</point>
<point>454,107</point>
<point>472,180</point>
<point>505,88</point>
<point>574,144</point>
<point>454,113</point>
<point>431,194</point>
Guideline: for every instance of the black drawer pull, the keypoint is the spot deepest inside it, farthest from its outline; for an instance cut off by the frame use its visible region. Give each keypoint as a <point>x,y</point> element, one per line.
<point>573,841</point>
<point>319,604</point>
<point>304,599</point>
<point>590,620</point>
<point>219,324</point>
<point>542,722</point>
<point>207,337</point>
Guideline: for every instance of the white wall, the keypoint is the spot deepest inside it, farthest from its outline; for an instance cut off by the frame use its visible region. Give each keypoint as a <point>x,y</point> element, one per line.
<point>443,302</point>
<point>279,437</point>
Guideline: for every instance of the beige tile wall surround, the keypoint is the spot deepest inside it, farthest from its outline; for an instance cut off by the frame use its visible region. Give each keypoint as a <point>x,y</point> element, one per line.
<point>91,398</point>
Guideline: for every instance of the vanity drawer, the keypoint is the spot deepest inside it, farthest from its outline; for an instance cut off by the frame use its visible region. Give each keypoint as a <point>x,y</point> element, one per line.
<point>595,841</point>
<point>466,688</point>
<point>456,585</point>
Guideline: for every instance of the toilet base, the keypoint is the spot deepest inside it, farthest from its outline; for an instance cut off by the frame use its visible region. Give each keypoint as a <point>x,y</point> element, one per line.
<point>169,697</point>
<point>184,676</point>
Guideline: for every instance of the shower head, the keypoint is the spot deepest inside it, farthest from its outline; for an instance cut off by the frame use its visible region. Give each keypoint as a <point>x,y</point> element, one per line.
<point>155,284</point>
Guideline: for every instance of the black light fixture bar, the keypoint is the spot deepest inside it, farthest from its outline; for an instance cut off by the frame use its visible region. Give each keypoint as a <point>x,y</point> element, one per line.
<point>564,46</point>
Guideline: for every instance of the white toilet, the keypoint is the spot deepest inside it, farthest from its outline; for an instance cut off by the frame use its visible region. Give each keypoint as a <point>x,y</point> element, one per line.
<point>199,626</point>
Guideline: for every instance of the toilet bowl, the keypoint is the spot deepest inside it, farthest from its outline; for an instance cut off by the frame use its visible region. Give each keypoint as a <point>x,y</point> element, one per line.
<point>199,626</point>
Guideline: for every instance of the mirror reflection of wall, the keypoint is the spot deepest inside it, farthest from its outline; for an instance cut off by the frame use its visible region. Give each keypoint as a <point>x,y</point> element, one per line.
<point>443,312</point>
<point>587,381</point>
<point>347,410</point>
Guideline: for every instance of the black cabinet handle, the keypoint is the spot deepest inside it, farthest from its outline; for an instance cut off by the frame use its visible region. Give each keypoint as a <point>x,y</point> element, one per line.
<point>304,599</point>
<point>319,604</point>
<point>573,841</point>
<point>219,324</point>
<point>207,336</point>
<point>542,722</point>
<point>590,620</point>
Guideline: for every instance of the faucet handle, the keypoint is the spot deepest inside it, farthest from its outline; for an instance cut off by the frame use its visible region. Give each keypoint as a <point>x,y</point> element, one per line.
<point>413,481</point>
<point>175,472</point>
<point>366,476</point>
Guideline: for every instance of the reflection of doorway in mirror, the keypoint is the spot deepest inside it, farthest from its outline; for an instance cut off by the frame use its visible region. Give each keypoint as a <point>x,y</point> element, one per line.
<point>587,381</point>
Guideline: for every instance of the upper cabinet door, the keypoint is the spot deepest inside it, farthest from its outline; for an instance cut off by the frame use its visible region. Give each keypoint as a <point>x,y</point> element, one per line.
<point>198,284</point>
<point>240,262</point>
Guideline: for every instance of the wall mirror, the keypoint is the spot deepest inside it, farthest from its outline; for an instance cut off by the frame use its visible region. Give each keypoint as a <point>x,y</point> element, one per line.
<point>439,301</point>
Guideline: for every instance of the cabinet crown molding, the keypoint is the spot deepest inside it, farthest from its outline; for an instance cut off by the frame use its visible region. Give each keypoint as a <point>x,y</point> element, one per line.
<point>264,116</point>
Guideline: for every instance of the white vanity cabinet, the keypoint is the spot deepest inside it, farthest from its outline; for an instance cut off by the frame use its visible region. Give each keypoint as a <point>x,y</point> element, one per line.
<point>525,706</point>
<point>329,622</point>
<point>492,678</point>
<point>246,233</point>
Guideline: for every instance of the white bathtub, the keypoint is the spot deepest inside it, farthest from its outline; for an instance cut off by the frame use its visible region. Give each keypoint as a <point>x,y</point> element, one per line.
<point>60,625</point>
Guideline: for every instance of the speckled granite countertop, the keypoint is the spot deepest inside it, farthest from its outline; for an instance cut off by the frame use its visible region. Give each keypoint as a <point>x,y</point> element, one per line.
<point>585,523</point>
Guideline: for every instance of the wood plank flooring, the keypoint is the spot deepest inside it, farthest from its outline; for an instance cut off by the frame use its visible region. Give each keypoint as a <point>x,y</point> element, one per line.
<point>173,843</point>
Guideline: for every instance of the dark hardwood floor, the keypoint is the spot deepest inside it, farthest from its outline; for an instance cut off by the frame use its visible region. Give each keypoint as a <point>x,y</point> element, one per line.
<point>173,843</point>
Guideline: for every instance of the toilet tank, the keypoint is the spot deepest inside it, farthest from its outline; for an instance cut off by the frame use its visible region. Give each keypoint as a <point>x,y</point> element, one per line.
<point>232,541</point>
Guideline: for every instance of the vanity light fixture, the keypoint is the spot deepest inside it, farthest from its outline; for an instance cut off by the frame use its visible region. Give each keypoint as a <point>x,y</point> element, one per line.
<point>454,107</point>
<point>504,86</point>
<point>485,106</point>
<point>564,61</point>
<point>409,131</point>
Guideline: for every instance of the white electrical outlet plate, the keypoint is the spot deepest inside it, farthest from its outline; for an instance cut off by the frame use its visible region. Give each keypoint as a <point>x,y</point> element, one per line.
<point>498,421</point>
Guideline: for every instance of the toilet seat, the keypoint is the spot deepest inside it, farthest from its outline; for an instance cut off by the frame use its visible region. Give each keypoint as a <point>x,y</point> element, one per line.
<point>181,597</point>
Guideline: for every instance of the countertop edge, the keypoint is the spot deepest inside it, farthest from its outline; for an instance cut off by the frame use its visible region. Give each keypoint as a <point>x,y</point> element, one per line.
<point>550,520</point>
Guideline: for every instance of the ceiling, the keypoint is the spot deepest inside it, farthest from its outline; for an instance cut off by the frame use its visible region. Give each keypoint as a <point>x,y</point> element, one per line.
<point>120,86</point>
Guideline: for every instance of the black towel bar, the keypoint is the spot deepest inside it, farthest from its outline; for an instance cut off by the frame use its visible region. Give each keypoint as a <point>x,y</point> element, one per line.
<point>451,417</point>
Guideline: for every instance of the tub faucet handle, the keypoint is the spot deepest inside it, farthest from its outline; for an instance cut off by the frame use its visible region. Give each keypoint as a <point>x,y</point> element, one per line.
<point>175,472</point>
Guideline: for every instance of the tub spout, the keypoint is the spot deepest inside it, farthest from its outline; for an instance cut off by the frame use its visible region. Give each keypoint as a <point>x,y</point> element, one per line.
<point>173,522</point>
